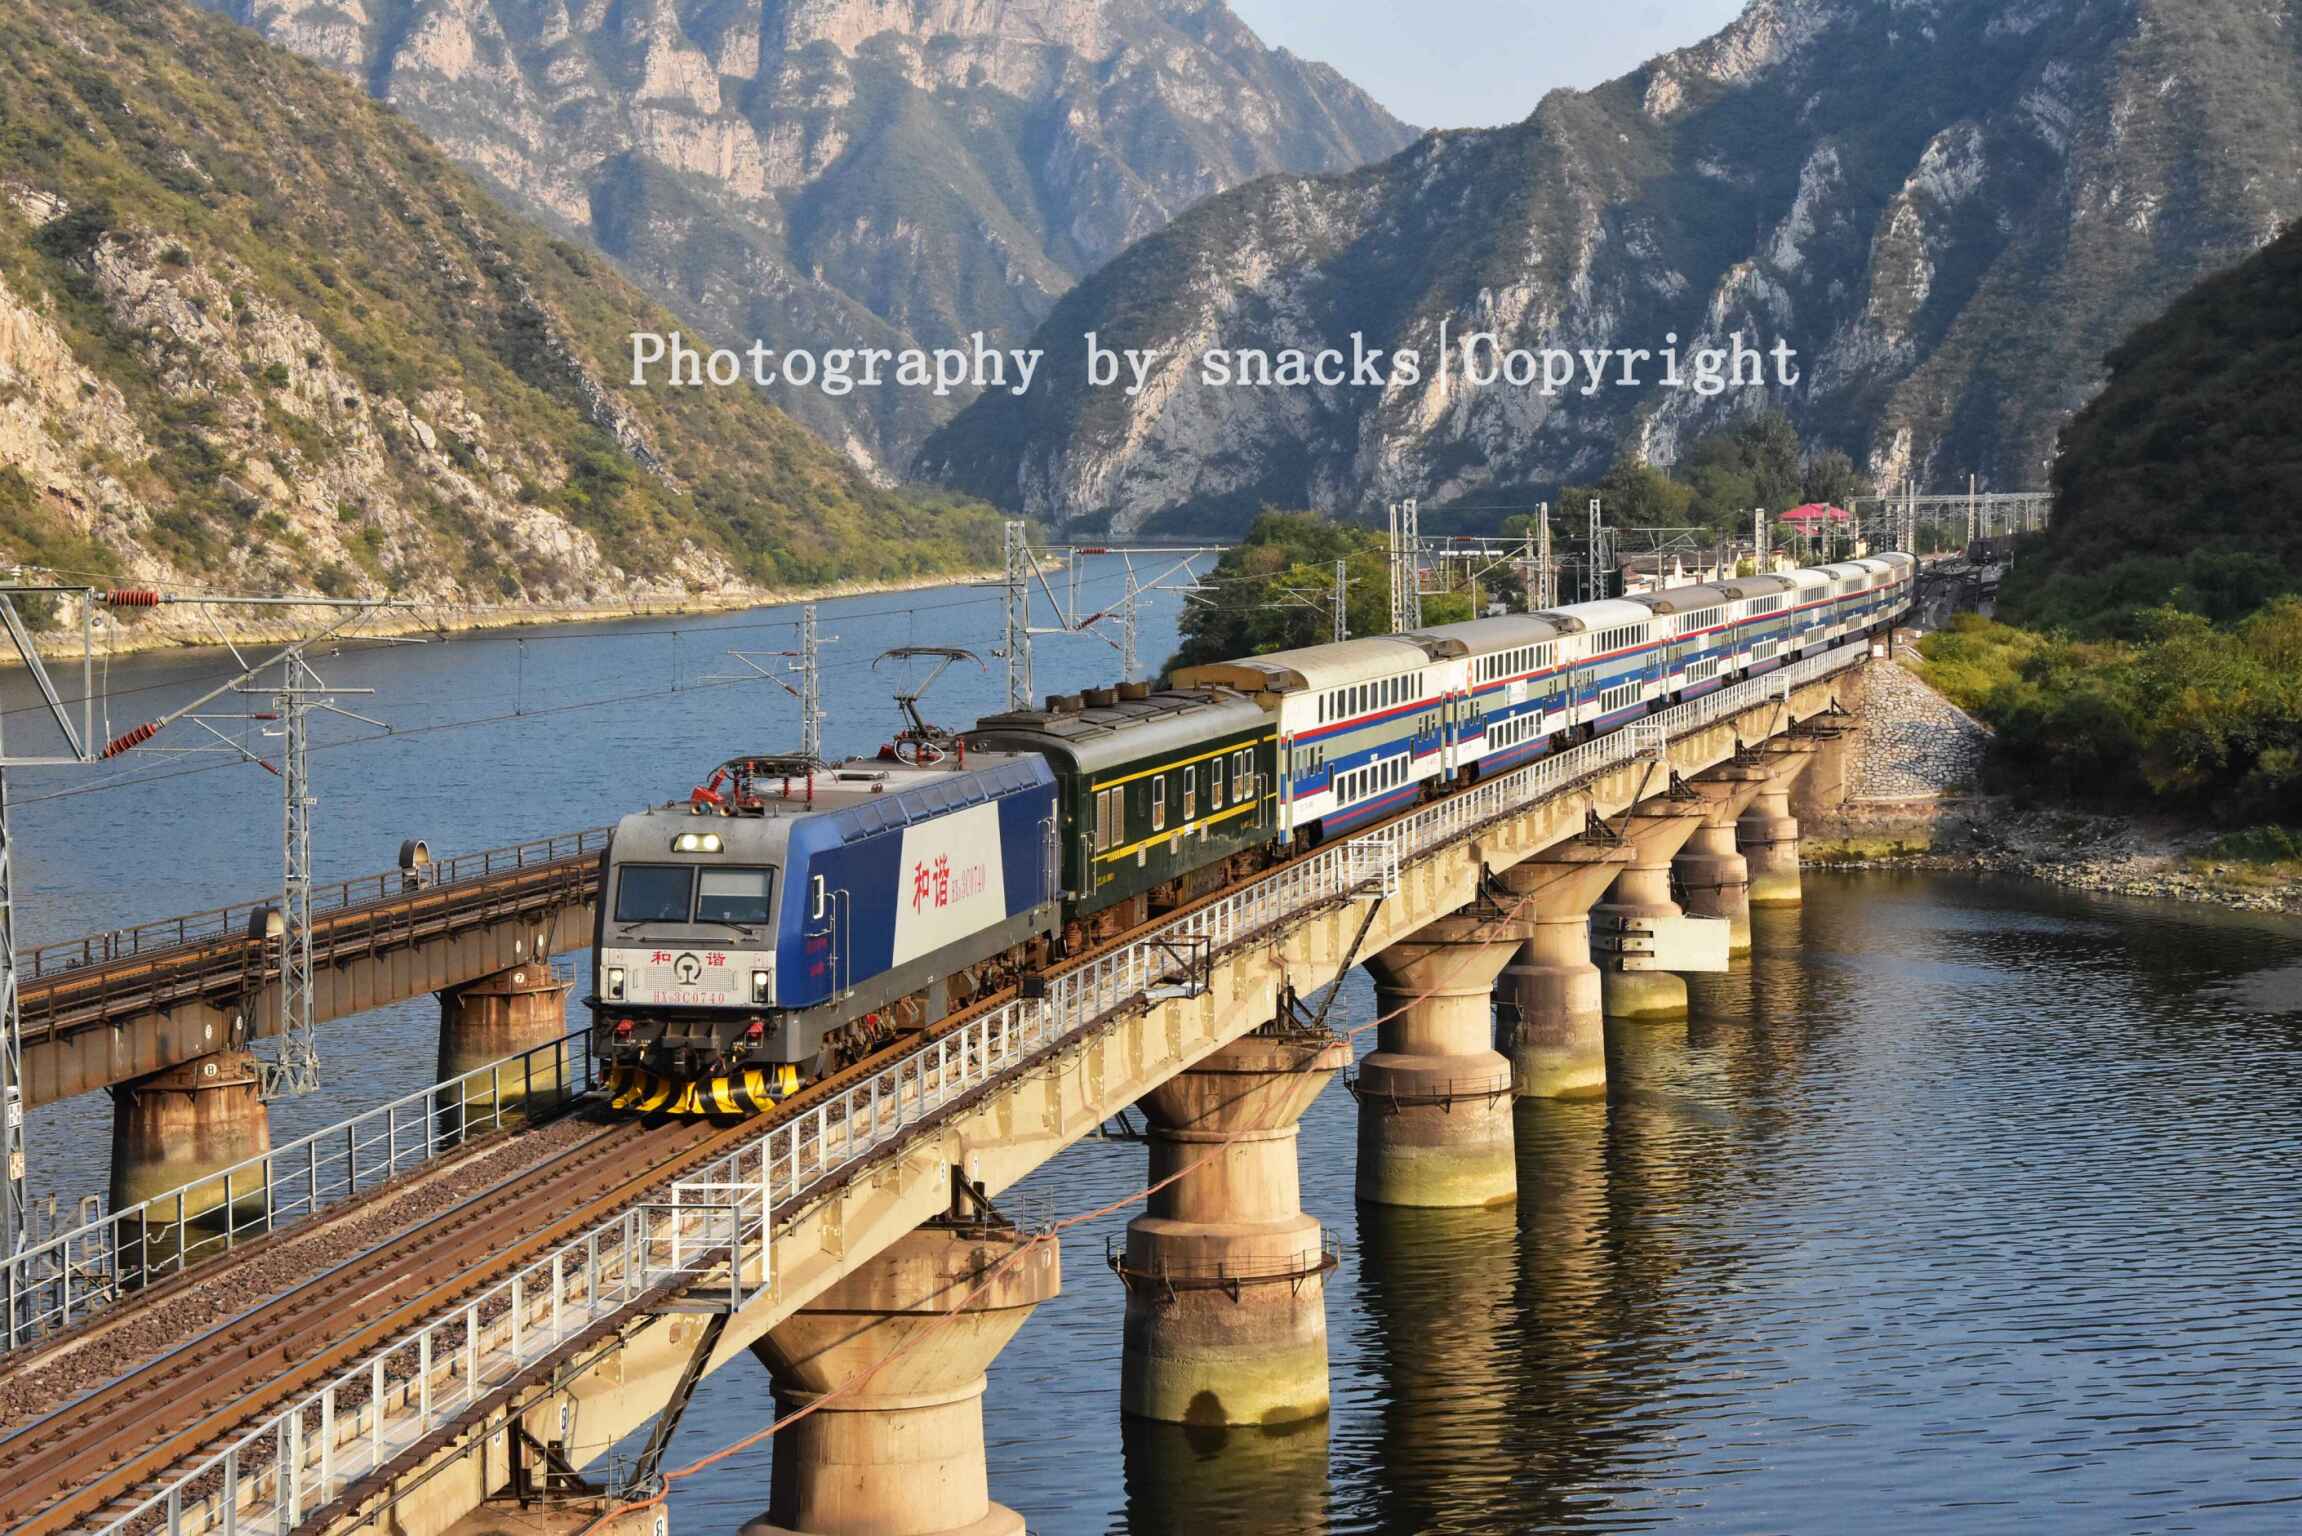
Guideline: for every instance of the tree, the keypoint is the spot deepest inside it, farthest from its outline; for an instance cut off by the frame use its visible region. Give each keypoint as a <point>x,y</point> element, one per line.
<point>1832,479</point>
<point>1274,591</point>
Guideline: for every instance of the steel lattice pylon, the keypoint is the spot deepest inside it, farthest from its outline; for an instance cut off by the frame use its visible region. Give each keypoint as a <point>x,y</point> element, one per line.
<point>297,1067</point>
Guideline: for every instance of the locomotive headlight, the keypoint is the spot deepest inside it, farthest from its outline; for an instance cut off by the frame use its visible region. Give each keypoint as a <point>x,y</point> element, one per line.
<point>759,986</point>
<point>697,842</point>
<point>615,981</point>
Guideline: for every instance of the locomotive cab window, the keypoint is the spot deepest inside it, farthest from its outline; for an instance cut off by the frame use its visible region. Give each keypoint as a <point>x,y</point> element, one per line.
<point>1239,772</point>
<point>1159,803</point>
<point>1190,793</point>
<point>734,895</point>
<point>654,893</point>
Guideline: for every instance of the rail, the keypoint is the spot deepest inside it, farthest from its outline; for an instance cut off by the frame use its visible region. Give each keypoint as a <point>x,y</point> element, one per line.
<point>59,1283</point>
<point>236,920</point>
<point>315,1450</point>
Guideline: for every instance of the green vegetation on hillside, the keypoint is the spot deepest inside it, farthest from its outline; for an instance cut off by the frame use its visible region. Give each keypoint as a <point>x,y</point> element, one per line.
<point>2179,484</point>
<point>1276,591</point>
<point>161,126</point>
<point>2203,719</point>
<point>2151,649</point>
<point>1716,484</point>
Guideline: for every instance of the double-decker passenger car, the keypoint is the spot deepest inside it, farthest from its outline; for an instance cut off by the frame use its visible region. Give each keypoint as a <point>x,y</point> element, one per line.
<point>1362,726</point>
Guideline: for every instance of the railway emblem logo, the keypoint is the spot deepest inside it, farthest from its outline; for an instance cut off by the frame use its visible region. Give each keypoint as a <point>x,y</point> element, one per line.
<point>689,970</point>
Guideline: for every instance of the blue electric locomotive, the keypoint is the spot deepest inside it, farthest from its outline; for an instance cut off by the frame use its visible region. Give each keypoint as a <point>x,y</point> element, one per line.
<point>788,915</point>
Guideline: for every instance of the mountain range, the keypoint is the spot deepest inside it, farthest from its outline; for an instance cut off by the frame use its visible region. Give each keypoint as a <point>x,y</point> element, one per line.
<point>847,173</point>
<point>256,332</point>
<point>1950,210</point>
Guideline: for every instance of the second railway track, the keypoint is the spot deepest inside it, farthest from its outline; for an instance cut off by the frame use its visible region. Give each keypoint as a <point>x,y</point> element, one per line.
<point>75,1460</point>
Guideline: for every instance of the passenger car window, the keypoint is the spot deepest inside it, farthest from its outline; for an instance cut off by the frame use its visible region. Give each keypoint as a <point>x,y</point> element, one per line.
<point>654,893</point>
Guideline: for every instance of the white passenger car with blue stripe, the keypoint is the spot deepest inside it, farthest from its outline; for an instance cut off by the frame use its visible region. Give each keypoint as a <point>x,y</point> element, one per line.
<point>1363,726</point>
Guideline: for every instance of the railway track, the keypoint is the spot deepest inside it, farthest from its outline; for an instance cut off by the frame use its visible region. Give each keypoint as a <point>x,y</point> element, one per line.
<point>101,1452</point>
<point>102,1448</point>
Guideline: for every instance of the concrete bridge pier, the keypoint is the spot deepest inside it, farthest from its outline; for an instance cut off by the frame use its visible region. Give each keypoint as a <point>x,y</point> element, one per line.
<point>183,1124</point>
<point>1225,1274</point>
<point>901,1454</point>
<point>1767,833</point>
<point>1655,830</point>
<point>502,1015</point>
<point>1558,1045</point>
<point>1821,791</point>
<point>1435,1095</point>
<point>1711,870</point>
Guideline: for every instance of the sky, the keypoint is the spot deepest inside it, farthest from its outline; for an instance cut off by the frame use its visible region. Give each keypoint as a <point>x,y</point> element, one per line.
<point>1476,63</point>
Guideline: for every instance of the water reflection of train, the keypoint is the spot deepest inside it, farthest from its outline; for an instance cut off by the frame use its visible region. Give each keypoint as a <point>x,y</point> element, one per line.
<point>790,916</point>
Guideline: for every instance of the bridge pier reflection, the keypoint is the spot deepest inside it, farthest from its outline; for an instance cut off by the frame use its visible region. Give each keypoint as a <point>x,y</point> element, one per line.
<point>901,1453</point>
<point>1434,1095</point>
<point>1656,830</point>
<point>177,1127</point>
<point>1226,1275</point>
<point>1558,1042</point>
<point>1212,1480</point>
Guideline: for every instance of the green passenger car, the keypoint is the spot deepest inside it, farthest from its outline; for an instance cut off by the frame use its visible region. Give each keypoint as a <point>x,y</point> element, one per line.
<point>1158,792</point>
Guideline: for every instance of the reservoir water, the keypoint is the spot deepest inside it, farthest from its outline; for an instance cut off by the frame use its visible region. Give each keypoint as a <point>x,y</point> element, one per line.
<point>1959,1206</point>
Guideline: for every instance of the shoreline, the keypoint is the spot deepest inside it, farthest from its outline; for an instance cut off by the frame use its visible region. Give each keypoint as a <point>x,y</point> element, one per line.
<point>63,642</point>
<point>1913,804</point>
<point>2153,858</point>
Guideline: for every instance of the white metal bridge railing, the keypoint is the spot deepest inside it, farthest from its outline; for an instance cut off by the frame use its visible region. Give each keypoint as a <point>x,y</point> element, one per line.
<point>234,921</point>
<point>53,1285</point>
<point>722,1215</point>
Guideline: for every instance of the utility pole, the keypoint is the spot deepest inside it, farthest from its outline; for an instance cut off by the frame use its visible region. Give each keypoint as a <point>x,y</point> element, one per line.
<point>1598,554</point>
<point>1342,601</point>
<point>1406,572</point>
<point>1126,626</point>
<point>1758,531</point>
<point>811,685</point>
<point>805,663</point>
<point>1017,647</point>
<point>296,1068</point>
<point>1973,507</point>
<point>1550,572</point>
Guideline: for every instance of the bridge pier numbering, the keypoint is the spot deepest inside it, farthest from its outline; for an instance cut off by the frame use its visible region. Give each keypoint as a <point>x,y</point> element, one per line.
<point>852,1245</point>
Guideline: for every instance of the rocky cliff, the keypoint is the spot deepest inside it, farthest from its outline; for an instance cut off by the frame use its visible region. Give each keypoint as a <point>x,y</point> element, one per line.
<point>256,333</point>
<point>867,173</point>
<point>1950,209</point>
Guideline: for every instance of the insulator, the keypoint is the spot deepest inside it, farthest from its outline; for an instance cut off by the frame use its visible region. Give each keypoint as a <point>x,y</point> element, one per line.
<point>132,597</point>
<point>134,738</point>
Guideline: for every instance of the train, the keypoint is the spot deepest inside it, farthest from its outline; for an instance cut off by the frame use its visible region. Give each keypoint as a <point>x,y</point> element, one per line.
<point>791,916</point>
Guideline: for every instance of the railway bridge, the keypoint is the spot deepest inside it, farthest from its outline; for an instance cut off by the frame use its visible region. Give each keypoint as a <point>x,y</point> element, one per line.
<point>850,1240</point>
<point>162,1013</point>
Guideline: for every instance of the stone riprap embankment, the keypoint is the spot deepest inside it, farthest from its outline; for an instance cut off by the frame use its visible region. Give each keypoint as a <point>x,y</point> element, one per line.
<point>1912,803</point>
<point>1915,744</point>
